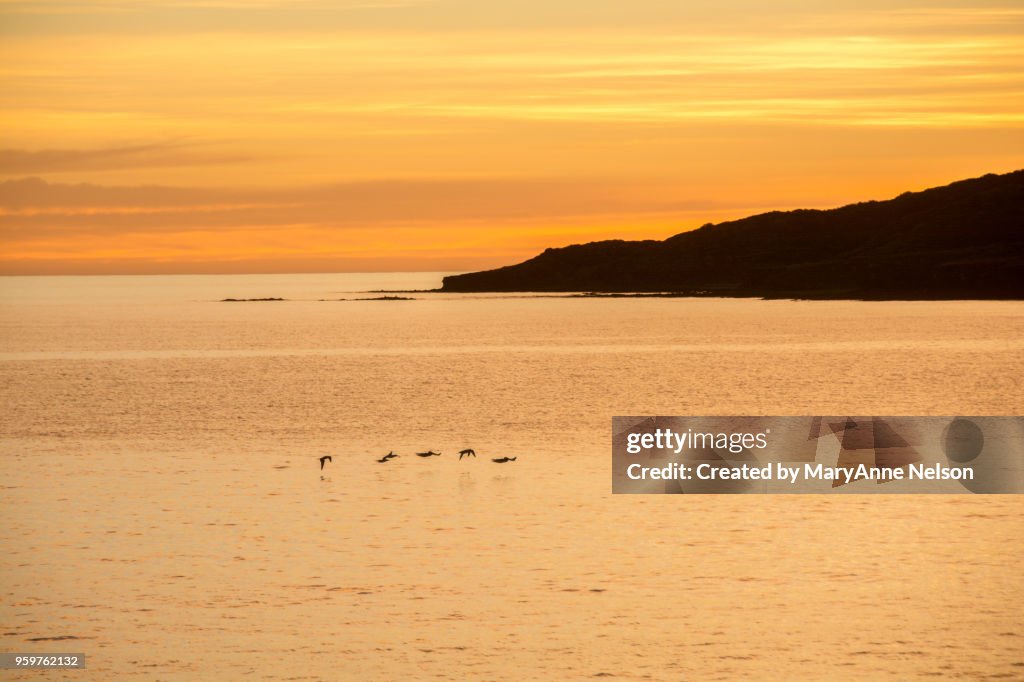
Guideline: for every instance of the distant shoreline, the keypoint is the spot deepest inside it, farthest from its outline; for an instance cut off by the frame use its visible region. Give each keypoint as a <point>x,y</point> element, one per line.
<point>582,295</point>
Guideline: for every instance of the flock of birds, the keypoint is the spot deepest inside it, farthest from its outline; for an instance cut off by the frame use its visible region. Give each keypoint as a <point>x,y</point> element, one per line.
<point>468,452</point>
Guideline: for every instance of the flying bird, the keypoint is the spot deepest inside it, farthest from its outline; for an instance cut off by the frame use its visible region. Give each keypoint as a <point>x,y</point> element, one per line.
<point>385,458</point>
<point>428,453</point>
<point>325,458</point>
<point>468,452</point>
<point>502,460</point>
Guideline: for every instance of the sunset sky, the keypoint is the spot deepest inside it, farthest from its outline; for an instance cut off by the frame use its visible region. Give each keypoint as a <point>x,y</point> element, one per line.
<point>353,135</point>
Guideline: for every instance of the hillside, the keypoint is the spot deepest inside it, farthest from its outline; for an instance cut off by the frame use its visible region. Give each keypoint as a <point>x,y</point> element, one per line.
<point>963,240</point>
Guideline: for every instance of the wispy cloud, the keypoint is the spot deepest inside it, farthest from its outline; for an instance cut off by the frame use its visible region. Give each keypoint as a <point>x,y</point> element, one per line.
<point>396,221</point>
<point>35,203</point>
<point>22,161</point>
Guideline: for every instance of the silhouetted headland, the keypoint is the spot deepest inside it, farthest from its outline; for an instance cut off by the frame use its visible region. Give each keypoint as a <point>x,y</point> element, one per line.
<point>963,240</point>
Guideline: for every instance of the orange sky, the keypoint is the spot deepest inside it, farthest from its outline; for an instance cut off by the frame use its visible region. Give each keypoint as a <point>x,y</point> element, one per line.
<point>307,135</point>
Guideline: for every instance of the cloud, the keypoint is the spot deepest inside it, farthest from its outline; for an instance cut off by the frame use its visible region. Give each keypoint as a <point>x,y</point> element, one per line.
<point>391,224</point>
<point>21,18</point>
<point>31,208</point>
<point>21,161</point>
<point>57,17</point>
<point>36,194</point>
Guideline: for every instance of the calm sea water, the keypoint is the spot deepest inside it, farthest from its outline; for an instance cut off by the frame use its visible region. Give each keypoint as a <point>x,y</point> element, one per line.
<point>164,513</point>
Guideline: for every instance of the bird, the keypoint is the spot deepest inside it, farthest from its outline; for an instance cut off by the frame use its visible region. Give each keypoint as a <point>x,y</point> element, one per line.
<point>385,458</point>
<point>325,458</point>
<point>468,452</point>
<point>428,453</point>
<point>502,460</point>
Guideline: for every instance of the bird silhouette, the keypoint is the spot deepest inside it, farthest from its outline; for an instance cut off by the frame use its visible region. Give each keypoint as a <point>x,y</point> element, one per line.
<point>325,458</point>
<point>502,460</point>
<point>385,458</point>
<point>428,453</point>
<point>468,452</point>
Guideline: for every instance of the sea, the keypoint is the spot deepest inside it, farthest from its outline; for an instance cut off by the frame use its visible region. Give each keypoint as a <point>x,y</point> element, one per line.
<point>163,510</point>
